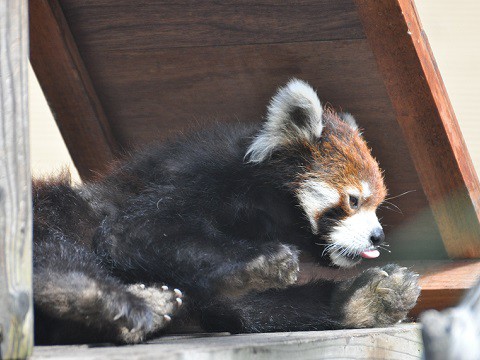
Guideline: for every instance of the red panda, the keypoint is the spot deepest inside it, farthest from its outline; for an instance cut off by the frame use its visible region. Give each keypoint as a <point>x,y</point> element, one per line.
<point>222,214</point>
<point>340,173</point>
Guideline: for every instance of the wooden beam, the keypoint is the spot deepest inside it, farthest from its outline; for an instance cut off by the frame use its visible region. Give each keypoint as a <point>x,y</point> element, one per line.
<point>16,314</point>
<point>398,342</point>
<point>69,90</point>
<point>426,117</point>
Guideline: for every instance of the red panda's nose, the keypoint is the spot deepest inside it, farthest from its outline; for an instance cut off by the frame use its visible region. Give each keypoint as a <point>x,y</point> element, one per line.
<point>377,236</point>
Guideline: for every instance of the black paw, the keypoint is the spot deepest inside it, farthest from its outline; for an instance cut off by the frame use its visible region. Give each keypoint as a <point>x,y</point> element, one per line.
<point>378,297</point>
<point>149,310</point>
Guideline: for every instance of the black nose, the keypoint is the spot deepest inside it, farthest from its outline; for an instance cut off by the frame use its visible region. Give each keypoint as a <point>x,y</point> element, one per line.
<point>377,236</point>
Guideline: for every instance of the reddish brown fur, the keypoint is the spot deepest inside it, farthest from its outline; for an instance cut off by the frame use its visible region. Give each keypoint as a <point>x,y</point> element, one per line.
<point>343,159</point>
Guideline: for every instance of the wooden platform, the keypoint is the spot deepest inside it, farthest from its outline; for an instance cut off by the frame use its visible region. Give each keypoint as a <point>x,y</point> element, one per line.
<point>399,342</point>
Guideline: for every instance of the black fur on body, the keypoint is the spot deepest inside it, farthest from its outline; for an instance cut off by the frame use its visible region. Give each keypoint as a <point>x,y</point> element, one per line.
<point>194,214</point>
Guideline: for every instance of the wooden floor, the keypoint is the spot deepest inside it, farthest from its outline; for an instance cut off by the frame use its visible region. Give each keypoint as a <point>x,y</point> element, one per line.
<point>399,342</point>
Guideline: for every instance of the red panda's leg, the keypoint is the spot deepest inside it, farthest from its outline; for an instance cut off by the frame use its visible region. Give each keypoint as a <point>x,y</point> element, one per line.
<point>378,297</point>
<point>77,301</point>
<point>274,266</point>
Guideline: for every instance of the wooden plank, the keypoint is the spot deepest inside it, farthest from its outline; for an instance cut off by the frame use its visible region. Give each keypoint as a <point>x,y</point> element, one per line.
<point>68,89</point>
<point>443,283</point>
<point>427,119</point>
<point>117,25</point>
<point>16,313</point>
<point>399,342</point>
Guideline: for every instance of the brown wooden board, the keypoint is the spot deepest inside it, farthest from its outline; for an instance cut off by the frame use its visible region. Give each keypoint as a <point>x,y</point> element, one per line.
<point>68,89</point>
<point>134,25</point>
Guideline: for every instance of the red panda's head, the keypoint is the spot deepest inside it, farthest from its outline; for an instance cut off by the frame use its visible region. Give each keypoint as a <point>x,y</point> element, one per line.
<point>339,185</point>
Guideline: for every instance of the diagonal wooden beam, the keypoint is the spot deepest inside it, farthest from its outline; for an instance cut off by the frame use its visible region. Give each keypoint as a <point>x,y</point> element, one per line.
<point>426,117</point>
<point>69,90</point>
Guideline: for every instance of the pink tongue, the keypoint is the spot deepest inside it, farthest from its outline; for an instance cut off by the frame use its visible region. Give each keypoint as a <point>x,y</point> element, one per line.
<point>370,254</point>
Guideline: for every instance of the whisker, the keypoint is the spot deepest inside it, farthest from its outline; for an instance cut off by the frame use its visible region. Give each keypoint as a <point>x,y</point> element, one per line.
<point>387,250</point>
<point>402,194</point>
<point>390,203</point>
<point>397,210</point>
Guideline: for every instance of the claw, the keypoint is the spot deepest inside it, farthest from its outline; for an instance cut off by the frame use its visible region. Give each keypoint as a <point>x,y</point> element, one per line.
<point>167,318</point>
<point>179,302</point>
<point>118,316</point>
<point>142,286</point>
<point>164,287</point>
<point>135,329</point>
<point>178,293</point>
<point>384,273</point>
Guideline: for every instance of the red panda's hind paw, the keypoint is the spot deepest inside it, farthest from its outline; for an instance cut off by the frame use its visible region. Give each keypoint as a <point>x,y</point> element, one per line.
<point>380,297</point>
<point>153,313</point>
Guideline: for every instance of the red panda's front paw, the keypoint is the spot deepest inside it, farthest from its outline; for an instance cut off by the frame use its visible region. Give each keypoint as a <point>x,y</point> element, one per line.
<point>278,269</point>
<point>379,297</point>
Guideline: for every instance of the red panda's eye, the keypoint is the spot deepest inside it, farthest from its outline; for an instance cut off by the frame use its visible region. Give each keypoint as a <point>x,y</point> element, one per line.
<point>353,200</point>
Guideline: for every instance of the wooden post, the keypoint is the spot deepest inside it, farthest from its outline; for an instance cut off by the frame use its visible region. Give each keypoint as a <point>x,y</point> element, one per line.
<point>16,316</point>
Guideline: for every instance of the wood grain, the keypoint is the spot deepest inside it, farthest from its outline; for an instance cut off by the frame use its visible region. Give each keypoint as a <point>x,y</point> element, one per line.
<point>16,310</point>
<point>68,89</point>
<point>426,117</point>
<point>399,342</point>
<point>118,25</point>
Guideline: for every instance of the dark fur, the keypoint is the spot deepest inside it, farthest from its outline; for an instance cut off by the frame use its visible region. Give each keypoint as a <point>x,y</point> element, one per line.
<point>193,214</point>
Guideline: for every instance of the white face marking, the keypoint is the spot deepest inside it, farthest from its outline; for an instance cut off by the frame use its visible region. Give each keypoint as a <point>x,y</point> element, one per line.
<point>315,197</point>
<point>352,236</point>
<point>366,189</point>
<point>353,191</point>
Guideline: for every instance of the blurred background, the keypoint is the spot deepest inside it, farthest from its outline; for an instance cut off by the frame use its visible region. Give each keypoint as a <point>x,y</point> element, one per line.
<point>451,26</point>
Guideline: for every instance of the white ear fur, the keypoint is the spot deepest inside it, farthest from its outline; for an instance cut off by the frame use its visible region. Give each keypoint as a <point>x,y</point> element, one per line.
<point>294,112</point>
<point>349,119</point>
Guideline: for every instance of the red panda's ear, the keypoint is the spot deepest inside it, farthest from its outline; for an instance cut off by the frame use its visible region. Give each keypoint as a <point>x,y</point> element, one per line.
<point>349,120</point>
<point>295,113</point>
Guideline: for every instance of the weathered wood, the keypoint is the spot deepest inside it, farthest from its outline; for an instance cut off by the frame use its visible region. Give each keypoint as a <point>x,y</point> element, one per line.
<point>400,342</point>
<point>68,89</point>
<point>443,283</point>
<point>454,334</point>
<point>16,325</point>
<point>426,117</point>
